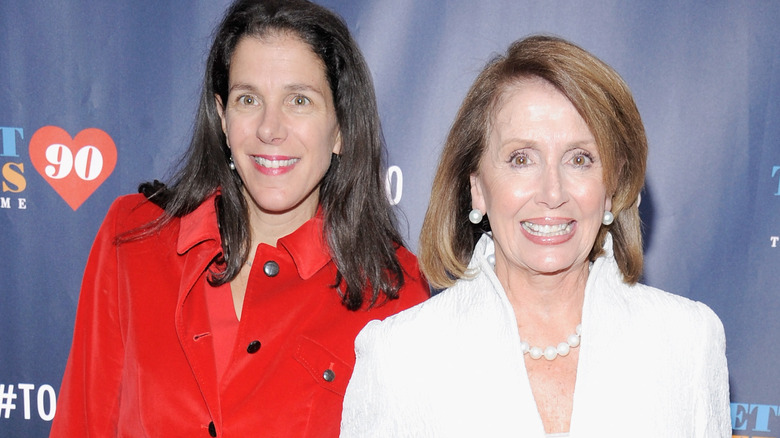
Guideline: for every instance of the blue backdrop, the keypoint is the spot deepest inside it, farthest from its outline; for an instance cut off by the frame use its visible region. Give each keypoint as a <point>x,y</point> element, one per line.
<point>85,84</point>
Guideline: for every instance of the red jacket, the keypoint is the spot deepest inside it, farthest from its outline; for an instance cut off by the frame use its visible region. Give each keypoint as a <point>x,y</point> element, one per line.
<point>142,360</point>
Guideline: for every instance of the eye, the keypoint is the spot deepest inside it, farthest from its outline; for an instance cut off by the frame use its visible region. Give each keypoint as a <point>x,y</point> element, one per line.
<point>582,159</point>
<point>299,100</point>
<point>247,100</point>
<point>519,159</point>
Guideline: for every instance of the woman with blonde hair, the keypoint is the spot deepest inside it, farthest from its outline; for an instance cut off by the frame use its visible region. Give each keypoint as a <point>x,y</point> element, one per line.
<point>533,230</point>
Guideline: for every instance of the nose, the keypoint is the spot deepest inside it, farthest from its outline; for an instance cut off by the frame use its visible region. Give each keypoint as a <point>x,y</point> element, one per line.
<point>551,190</point>
<point>271,126</point>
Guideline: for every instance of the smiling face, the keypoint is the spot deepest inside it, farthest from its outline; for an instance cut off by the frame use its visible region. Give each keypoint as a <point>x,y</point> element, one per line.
<point>281,125</point>
<point>540,182</point>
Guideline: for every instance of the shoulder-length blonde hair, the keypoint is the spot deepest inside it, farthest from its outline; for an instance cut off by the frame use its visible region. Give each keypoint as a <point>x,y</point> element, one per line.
<point>603,100</point>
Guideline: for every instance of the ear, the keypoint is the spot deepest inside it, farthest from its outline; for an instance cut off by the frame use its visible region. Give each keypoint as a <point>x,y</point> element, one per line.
<point>221,112</point>
<point>477,197</point>
<point>608,203</point>
<point>337,144</point>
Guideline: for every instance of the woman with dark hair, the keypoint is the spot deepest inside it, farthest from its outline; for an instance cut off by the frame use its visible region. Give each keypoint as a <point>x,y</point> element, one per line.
<point>227,303</point>
<point>533,229</point>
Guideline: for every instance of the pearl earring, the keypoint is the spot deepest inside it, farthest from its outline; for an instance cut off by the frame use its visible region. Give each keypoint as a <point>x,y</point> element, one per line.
<point>231,164</point>
<point>608,218</point>
<point>475,216</point>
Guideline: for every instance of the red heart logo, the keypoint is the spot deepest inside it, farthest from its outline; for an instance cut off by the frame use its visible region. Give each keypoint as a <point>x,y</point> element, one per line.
<point>74,167</point>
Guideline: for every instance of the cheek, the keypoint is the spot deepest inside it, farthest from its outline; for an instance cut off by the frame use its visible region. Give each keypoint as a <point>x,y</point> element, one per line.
<point>592,198</point>
<point>519,192</point>
<point>236,129</point>
<point>505,196</point>
<point>326,140</point>
<point>513,188</point>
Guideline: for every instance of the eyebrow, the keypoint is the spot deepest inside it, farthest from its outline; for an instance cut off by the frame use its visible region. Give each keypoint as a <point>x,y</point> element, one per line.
<point>296,87</point>
<point>532,143</point>
<point>583,143</point>
<point>303,87</point>
<point>240,86</point>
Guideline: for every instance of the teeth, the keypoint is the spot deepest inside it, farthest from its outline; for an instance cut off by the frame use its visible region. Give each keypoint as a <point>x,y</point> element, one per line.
<point>275,164</point>
<point>547,230</point>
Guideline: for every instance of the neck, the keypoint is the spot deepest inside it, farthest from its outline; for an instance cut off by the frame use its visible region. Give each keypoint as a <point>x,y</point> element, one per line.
<point>268,227</point>
<point>541,290</point>
<point>547,306</point>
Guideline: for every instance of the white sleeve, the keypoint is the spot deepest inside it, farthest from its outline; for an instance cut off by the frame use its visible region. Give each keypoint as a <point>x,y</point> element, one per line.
<point>712,411</point>
<point>366,402</point>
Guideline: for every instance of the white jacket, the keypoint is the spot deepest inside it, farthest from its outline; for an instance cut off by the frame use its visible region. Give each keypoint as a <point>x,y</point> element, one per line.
<point>651,364</point>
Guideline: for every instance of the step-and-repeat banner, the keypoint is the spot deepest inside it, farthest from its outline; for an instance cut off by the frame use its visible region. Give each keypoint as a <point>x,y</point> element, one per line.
<point>96,97</point>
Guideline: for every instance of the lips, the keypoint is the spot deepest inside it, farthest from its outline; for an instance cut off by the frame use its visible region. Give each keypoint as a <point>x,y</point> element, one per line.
<point>547,230</point>
<point>275,163</point>
<point>270,165</point>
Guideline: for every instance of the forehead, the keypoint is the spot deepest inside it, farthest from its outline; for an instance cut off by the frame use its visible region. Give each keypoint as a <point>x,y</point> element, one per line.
<point>275,53</point>
<point>533,106</point>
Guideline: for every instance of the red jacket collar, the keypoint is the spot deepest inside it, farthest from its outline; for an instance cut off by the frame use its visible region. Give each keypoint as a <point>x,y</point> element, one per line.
<point>198,226</point>
<point>306,245</point>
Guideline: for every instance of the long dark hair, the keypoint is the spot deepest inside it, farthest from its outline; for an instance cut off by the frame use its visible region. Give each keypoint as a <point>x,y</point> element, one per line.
<point>359,223</point>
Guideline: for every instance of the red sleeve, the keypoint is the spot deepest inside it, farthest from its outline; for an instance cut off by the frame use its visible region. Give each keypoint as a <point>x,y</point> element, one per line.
<point>89,395</point>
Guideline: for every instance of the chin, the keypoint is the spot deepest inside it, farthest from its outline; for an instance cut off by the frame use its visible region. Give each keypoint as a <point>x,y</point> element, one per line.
<point>553,267</point>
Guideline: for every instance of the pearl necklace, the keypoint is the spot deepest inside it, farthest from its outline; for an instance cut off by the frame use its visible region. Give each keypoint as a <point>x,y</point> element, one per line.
<point>552,351</point>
